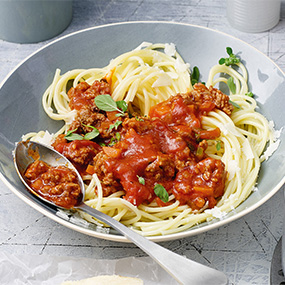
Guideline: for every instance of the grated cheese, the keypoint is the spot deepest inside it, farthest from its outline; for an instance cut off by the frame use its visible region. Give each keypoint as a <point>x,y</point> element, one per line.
<point>180,66</point>
<point>170,49</point>
<point>46,139</point>
<point>216,212</point>
<point>270,150</point>
<point>163,80</point>
<point>247,150</point>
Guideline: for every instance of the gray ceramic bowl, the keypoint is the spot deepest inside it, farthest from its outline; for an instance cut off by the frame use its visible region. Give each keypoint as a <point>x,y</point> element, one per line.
<point>21,92</point>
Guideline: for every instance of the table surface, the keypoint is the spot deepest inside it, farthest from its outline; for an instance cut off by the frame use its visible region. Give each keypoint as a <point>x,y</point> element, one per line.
<point>242,249</point>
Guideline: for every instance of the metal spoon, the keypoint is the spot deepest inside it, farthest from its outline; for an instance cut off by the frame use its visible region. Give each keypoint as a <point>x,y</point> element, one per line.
<point>184,270</point>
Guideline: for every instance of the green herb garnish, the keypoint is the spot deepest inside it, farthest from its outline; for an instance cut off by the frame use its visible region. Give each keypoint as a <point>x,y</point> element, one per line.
<point>106,103</point>
<point>141,180</point>
<point>115,139</point>
<point>250,94</point>
<point>195,76</point>
<point>72,136</point>
<point>93,134</point>
<point>161,193</point>
<point>232,59</point>
<point>122,105</point>
<point>115,125</point>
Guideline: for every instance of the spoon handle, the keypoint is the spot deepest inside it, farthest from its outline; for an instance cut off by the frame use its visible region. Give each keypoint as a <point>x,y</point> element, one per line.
<point>184,270</point>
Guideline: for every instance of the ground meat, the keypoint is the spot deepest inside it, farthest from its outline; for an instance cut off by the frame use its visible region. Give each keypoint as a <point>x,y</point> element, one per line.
<point>36,169</point>
<point>140,124</point>
<point>109,183</point>
<point>84,93</point>
<point>57,184</point>
<point>168,147</point>
<point>82,100</point>
<point>202,94</point>
<point>211,172</point>
<point>198,185</point>
<point>162,167</point>
<point>79,152</point>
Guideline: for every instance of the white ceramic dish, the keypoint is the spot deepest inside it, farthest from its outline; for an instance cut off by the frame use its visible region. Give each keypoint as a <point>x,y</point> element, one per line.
<point>21,92</point>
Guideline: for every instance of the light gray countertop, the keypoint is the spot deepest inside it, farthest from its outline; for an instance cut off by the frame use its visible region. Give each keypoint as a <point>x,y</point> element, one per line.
<point>242,249</point>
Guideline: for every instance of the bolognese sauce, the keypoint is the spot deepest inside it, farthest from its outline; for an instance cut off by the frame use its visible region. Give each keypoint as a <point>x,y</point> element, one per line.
<point>56,184</point>
<point>166,148</point>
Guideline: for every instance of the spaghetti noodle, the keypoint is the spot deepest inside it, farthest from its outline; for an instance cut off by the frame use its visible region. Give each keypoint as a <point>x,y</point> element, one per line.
<point>143,78</point>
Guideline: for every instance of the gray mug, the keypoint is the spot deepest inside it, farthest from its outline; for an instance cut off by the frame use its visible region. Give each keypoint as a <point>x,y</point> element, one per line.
<point>30,21</point>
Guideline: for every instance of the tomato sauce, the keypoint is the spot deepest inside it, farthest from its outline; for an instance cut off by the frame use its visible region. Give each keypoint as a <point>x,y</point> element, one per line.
<point>157,149</point>
<point>167,147</point>
<point>79,152</point>
<point>56,184</point>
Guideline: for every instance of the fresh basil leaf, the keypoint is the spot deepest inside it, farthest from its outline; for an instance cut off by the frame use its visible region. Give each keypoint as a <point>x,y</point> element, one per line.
<point>229,51</point>
<point>73,137</point>
<point>115,139</point>
<point>141,180</point>
<point>106,103</point>
<point>122,105</point>
<point>193,82</point>
<point>92,135</point>
<point>89,126</point>
<point>121,114</point>
<point>70,132</point>
<point>231,85</point>
<point>161,193</point>
<point>222,60</point>
<point>117,124</point>
<point>195,75</point>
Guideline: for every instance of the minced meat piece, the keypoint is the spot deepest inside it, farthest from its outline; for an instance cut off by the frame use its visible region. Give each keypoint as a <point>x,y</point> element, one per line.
<point>202,94</point>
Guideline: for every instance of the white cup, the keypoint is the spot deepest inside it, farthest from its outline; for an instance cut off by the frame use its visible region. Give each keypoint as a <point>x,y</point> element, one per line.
<point>253,16</point>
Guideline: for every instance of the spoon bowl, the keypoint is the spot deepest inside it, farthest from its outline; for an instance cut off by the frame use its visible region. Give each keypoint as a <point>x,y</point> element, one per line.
<point>27,152</point>
<point>184,270</point>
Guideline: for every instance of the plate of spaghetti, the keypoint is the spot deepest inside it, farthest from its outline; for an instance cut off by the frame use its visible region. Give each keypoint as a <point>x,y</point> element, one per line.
<point>175,130</point>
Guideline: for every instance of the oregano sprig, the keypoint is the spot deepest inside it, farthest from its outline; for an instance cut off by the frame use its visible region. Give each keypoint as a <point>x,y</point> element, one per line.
<point>195,76</point>
<point>115,125</point>
<point>231,60</point>
<point>161,193</point>
<point>72,135</point>
<point>106,103</point>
